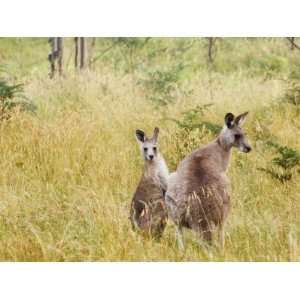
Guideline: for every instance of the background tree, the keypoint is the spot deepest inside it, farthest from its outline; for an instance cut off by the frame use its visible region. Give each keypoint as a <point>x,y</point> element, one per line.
<point>60,46</point>
<point>55,57</point>
<point>80,52</point>
<point>210,52</point>
<point>76,40</point>
<point>293,44</point>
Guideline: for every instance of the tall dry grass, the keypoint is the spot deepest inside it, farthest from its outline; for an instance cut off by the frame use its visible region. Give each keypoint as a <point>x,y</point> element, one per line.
<point>68,172</point>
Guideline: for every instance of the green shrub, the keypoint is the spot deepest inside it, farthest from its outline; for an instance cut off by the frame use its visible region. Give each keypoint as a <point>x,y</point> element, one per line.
<point>191,125</point>
<point>129,48</point>
<point>163,84</point>
<point>9,93</point>
<point>191,119</point>
<point>292,89</point>
<point>284,163</point>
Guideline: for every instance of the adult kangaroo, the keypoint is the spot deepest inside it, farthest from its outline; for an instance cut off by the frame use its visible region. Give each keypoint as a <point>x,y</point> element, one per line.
<point>197,196</point>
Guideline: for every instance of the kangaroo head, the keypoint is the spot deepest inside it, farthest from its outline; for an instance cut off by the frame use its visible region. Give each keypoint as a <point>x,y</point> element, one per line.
<point>149,146</point>
<point>232,134</point>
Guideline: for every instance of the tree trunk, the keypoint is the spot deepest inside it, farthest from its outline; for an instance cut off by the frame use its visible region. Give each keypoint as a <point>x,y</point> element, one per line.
<point>91,51</point>
<point>76,52</point>
<point>60,48</point>
<point>56,54</point>
<point>82,52</point>
<point>93,42</point>
<point>210,49</point>
<point>292,43</point>
<point>52,56</point>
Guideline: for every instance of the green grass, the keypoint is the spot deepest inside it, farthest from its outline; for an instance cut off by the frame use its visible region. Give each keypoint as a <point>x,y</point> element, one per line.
<point>68,172</point>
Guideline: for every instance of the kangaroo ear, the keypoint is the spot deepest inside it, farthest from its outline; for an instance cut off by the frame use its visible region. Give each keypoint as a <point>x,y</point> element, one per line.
<point>155,133</point>
<point>140,135</point>
<point>239,121</point>
<point>229,120</point>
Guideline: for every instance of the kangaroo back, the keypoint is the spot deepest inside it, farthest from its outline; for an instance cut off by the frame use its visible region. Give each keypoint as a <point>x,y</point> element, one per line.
<point>198,193</point>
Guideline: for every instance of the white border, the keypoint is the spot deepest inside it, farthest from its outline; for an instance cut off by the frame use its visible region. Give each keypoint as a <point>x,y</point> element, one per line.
<point>149,18</point>
<point>151,281</point>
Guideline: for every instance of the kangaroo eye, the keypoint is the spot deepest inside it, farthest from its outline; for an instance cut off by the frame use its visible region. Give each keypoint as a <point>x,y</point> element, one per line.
<point>237,136</point>
<point>145,149</point>
<point>154,149</point>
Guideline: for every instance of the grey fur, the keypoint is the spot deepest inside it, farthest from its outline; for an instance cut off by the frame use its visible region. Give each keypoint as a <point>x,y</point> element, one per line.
<point>198,194</point>
<point>148,211</point>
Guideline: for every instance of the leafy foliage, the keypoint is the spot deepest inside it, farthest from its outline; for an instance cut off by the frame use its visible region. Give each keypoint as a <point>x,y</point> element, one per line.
<point>288,158</point>
<point>283,164</point>
<point>9,91</point>
<point>129,48</point>
<point>164,84</point>
<point>192,125</point>
<point>8,95</point>
<point>131,42</point>
<point>292,90</point>
<point>191,120</point>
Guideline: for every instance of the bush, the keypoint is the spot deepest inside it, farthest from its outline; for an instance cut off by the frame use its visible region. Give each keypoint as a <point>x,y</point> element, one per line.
<point>163,84</point>
<point>8,95</point>
<point>287,159</point>
<point>191,120</point>
<point>292,90</point>
<point>192,125</point>
<point>129,48</point>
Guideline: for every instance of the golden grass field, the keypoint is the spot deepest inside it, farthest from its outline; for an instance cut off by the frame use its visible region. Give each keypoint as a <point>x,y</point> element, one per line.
<point>69,171</point>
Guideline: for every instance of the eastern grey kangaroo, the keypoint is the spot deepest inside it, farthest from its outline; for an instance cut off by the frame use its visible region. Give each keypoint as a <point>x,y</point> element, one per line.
<point>148,211</point>
<point>198,192</point>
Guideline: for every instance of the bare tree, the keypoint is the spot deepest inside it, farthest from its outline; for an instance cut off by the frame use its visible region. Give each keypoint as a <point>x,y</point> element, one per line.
<point>56,54</point>
<point>76,40</point>
<point>82,53</point>
<point>51,56</point>
<point>211,43</point>
<point>293,44</point>
<point>210,46</point>
<point>91,51</point>
<point>60,47</point>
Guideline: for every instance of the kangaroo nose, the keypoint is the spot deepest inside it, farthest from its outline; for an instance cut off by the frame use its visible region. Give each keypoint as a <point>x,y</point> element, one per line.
<point>151,157</point>
<point>248,149</point>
